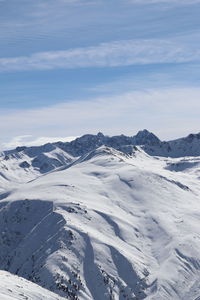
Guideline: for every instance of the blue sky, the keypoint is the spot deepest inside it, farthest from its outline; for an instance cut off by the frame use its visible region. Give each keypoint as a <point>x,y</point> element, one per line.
<point>68,67</point>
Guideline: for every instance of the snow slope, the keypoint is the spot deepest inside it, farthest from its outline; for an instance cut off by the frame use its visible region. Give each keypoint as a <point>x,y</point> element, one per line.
<point>109,225</point>
<point>15,288</point>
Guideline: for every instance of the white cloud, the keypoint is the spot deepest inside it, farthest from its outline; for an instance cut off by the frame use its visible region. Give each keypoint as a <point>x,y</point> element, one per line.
<point>169,113</point>
<point>117,53</point>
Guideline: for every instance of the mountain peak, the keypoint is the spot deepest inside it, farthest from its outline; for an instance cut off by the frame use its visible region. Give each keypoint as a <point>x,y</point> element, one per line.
<point>144,132</point>
<point>100,134</point>
<point>145,137</point>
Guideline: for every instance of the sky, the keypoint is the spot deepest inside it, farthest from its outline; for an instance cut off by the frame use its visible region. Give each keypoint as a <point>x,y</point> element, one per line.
<point>71,67</point>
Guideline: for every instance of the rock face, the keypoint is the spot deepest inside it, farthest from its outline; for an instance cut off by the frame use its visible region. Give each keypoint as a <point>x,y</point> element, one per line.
<point>101,223</point>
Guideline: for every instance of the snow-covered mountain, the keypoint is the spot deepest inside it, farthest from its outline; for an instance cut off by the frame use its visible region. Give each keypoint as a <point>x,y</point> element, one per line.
<point>30,162</point>
<point>100,218</point>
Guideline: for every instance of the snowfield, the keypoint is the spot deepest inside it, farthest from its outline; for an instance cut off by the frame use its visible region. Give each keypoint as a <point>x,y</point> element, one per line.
<point>107,225</point>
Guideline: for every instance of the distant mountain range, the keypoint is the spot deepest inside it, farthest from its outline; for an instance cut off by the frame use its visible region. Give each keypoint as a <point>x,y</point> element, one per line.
<point>50,156</point>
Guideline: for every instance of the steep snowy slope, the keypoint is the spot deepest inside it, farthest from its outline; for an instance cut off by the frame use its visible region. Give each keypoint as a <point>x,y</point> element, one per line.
<point>107,226</point>
<point>15,288</point>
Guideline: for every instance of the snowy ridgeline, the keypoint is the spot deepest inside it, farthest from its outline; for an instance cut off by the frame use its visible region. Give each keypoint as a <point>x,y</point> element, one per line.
<point>101,224</point>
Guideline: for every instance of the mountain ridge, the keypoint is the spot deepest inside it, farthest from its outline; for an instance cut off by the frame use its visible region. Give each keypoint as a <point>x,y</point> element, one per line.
<point>36,160</point>
<point>143,137</point>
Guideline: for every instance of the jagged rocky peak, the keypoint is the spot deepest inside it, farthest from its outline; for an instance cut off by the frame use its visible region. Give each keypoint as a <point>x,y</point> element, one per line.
<point>145,137</point>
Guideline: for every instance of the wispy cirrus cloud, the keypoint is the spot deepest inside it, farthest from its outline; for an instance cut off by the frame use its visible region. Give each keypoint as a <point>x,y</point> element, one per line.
<point>112,54</point>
